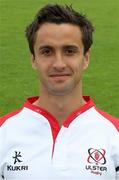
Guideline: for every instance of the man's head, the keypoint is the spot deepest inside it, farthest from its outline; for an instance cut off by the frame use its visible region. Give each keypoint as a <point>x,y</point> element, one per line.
<point>60,14</point>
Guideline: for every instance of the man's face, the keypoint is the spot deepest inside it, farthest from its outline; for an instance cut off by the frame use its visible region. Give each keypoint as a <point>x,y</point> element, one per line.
<point>59,58</point>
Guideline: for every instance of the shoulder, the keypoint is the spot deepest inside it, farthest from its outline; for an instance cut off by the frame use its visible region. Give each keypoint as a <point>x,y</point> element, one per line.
<point>4,118</point>
<point>27,103</point>
<point>114,121</point>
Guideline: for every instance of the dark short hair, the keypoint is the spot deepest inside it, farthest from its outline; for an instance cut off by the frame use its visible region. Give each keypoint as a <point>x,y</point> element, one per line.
<point>59,14</point>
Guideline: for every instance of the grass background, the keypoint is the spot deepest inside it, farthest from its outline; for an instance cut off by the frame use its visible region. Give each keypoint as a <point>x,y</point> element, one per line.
<point>18,80</point>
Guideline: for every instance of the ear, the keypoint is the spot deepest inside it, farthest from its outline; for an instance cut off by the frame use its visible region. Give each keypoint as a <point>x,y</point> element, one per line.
<point>86,59</point>
<point>33,62</point>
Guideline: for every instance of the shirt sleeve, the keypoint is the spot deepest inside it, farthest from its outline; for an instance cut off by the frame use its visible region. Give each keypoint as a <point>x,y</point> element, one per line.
<point>117,167</point>
<point>1,154</point>
<point>116,155</point>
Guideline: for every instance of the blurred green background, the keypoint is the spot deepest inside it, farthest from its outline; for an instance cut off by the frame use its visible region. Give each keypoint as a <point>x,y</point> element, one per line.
<point>17,79</point>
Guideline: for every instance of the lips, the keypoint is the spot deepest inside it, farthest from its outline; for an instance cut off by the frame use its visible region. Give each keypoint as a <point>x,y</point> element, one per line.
<point>60,77</point>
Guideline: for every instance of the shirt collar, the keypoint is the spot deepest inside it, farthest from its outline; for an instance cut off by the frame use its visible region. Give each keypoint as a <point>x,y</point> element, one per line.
<point>29,104</point>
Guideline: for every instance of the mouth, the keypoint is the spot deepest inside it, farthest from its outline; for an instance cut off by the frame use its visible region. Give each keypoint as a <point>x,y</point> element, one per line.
<point>52,75</point>
<point>59,77</point>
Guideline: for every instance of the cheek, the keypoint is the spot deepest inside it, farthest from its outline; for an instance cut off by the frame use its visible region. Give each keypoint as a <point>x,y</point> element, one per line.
<point>77,66</point>
<point>42,68</point>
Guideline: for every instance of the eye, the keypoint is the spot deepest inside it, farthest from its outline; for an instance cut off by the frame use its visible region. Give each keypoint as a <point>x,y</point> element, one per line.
<point>70,51</point>
<point>46,51</point>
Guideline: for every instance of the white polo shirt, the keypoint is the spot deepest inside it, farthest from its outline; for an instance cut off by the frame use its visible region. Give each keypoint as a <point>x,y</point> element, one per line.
<point>34,147</point>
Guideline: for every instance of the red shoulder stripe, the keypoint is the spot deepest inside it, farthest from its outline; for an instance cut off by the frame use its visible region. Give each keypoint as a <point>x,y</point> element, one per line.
<point>112,119</point>
<point>7,116</point>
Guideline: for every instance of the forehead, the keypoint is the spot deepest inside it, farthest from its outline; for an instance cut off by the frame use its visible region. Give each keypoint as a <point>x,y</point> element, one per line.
<point>58,34</point>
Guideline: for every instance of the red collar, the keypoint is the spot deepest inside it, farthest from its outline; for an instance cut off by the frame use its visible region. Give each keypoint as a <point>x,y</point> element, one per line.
<point>29,104</point>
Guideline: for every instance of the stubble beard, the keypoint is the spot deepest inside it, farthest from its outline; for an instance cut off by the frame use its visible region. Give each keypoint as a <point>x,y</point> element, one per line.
<point>61,89</point>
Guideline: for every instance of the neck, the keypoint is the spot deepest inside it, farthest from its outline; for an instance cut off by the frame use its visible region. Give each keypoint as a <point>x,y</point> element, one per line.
<point>61,106</point>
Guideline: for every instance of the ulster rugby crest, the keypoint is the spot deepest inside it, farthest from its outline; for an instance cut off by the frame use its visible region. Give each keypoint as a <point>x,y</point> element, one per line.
<point>96,161</point>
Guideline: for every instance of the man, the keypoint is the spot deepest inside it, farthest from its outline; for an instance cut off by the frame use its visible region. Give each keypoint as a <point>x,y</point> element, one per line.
<point>61,134</point>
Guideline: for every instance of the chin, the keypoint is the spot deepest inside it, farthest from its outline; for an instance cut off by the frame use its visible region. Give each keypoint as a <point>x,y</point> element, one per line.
<point>60,92</point>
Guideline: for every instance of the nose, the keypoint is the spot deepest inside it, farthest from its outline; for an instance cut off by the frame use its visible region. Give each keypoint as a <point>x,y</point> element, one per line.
<point>59,62</point>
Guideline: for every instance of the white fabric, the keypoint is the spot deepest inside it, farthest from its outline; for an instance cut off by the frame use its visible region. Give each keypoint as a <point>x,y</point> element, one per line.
<point>26,148</point>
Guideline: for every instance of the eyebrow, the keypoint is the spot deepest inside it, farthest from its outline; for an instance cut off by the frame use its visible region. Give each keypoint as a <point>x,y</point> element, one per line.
<point>74,47</point>
<point>44,46</point>
<point>71,47</point>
